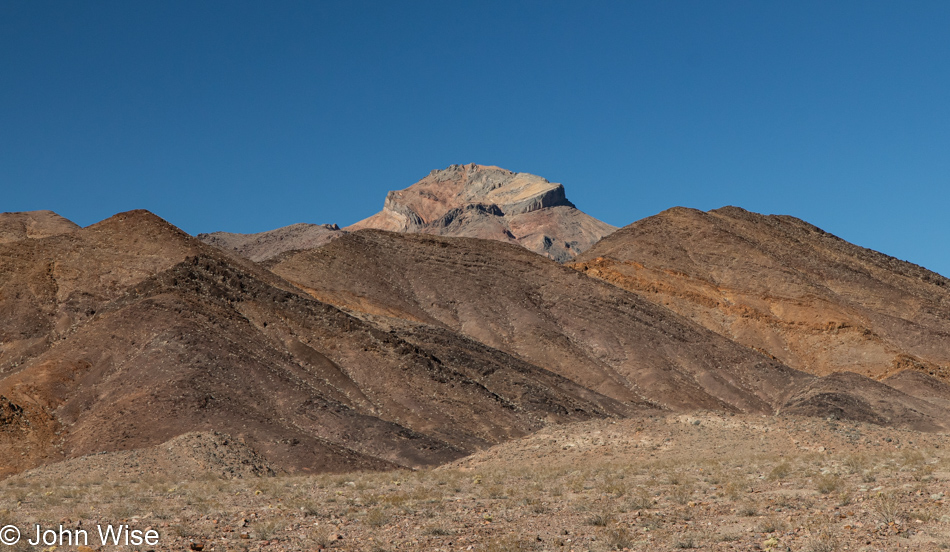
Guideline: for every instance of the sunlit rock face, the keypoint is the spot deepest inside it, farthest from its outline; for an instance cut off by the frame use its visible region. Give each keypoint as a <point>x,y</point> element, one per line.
<point>488,202</point>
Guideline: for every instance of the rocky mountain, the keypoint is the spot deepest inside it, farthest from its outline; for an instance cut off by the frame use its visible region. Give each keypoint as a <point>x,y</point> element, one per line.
<point>130,321</point>
<point>488,202</point>
<point>779,285</point>
<point>597,335</point>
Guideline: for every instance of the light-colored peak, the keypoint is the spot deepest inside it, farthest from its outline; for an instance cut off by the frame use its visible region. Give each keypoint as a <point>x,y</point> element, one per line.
<point>489,202</point>
<point>459,186</point>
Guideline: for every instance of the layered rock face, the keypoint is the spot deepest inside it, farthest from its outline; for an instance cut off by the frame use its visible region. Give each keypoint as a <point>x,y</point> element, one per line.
<point>489,202</point>
<point>784,287</point>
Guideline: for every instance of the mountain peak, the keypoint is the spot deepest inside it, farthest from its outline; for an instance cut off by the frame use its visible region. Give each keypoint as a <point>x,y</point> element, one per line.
<point>489,202</point>
<point>460,186</point>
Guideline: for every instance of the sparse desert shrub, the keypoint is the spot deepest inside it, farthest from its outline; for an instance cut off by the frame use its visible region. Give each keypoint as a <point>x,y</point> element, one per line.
<point>828,484</point>
<point>856,463</point>
<point>377,517</point>
<point>771,524</point>
<point>266,529</point>
<point>912,458</point>
<point>687,541</point>
<point>321,538</point>
<point>733,490</point>
<point>824,541</point>
<point>748,510</point>
<point>780,471</point>
<point>640,499</point>
<point>924,472</point>
<point>886,507</point>
<point>496,492</point>
<point>618,538</point>
<point>601,519</point>
<point>438,531</point>
<point>615,488</point>
<point>682,493</point>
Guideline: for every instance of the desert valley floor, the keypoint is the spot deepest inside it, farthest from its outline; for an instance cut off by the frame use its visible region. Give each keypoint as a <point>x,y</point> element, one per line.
<point>666,482</point>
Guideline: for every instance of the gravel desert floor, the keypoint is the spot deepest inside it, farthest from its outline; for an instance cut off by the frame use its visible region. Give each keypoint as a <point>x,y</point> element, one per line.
<point>667,482</point>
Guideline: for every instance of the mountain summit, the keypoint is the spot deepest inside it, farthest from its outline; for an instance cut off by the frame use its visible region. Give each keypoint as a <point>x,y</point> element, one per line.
<point>489,202</point>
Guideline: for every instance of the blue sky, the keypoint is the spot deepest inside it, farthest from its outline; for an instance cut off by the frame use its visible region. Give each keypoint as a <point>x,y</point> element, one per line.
<point>250,116</point>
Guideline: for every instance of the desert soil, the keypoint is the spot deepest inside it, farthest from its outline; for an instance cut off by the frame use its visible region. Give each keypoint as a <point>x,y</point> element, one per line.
<point>674,481</point>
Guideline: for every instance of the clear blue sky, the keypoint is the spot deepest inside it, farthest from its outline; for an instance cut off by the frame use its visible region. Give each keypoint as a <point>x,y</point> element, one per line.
<point>246,117</point>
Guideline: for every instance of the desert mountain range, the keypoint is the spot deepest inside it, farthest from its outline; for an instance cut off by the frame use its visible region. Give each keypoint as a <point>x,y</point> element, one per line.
<point>478,306</point>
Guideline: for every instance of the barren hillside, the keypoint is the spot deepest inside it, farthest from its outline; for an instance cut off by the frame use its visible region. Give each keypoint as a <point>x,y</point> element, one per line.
<point>597,335</point>
<point>129,321</point>
<point>33,224</point>
<point>784,287</point>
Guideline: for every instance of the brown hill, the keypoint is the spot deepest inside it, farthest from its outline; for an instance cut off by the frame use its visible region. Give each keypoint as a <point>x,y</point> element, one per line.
<point>922,386</point>
<point>154,326</point>
<point>491,203</point>
<point>846,395</point>
<point>49,286</point>
<point>33,224</point>
<point>266,245</point>
<point>595,334</point>
<point>784,287</point>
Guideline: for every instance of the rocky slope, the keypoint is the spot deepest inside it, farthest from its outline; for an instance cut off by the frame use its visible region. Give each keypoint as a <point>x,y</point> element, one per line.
<point>784,287</point>
<point>487,202</point>
<point>597,335</point>
<point>33,224</point>
<point>129,321</point>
